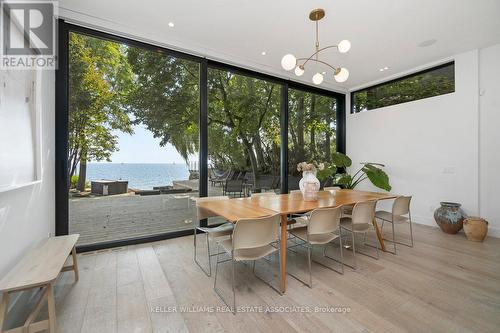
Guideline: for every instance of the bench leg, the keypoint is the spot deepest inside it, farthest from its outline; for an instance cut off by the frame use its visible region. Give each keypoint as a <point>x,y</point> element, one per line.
<point>75,264</point>
<point>51,308</point>
<point>3,309</point>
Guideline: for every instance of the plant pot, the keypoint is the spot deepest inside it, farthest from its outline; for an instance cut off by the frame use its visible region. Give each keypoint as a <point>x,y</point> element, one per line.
<point>449,217</point>
<point>475,228</point>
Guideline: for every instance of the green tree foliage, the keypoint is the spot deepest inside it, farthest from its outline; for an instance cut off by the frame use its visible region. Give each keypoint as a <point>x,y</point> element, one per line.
<point>433,83</point>
<point>113,86</point>
<point>99,83</point>
<point>312,128</point>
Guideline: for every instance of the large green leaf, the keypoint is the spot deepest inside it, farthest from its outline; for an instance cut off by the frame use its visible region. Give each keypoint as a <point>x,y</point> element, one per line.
<point>328,171</point>
<point>377,176</point>
<point>344,179</point>
<point>341,160</point>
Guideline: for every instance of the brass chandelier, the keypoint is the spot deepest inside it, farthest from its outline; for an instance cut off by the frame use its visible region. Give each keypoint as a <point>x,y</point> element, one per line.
<point>289,61</point>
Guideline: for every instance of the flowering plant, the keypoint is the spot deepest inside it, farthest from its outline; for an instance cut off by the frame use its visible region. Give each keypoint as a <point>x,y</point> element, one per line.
<point>324,170</point>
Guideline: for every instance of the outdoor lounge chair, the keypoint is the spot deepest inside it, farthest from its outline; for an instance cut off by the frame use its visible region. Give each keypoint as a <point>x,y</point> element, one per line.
<point>233,186</point>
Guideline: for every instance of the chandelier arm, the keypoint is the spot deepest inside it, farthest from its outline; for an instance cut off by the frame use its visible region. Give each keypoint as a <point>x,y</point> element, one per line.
<point>316,60</point>
<point>318,51</point>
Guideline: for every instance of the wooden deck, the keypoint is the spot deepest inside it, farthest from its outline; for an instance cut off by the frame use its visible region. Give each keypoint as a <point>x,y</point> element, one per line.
<point>106,218</point>
<point>444,284</point>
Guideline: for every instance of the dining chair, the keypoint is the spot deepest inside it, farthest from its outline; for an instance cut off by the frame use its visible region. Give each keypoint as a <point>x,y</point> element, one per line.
<point>263,194</point>
<point>222,230</point>
<point>322,228</point>
<point>360,222</point>
<point>252,239</point>
<point>400,208</point>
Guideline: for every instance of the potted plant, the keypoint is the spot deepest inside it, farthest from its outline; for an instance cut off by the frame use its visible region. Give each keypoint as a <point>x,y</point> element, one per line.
<point>369,170</point>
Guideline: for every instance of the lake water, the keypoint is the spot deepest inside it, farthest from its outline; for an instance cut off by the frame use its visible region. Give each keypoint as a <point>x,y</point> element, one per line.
<point>139,175</point>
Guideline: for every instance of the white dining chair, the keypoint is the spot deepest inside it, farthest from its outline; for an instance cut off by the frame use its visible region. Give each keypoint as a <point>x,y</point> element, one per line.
<point>222,230</point>
<point>264,194</point>
<point>331,188</point>
<point>322,229</point>
<point>400,215</point>
<point>252,239</point>
<point>360,222</point>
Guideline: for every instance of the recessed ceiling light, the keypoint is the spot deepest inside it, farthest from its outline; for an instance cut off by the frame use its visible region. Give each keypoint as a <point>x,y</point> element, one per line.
<point>263,53</point>
<point>171,24</point>
<point>386,68</point>
<point>428,42</point>
<point>381,70</point>
<point>323,73</point>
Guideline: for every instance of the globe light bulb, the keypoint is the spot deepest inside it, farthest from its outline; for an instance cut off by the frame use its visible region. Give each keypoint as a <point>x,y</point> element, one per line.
<point>344,46</point>
<point>342,75</point>
<point>317,78</point>
<point>288,62</point>
<point>299,71</point>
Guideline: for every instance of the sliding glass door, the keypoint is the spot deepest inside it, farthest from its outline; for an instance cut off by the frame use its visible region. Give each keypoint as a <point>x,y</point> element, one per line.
<point>132,140</point>
<point>142,131</point>
<point>312,131</point>
<point>243,134</point>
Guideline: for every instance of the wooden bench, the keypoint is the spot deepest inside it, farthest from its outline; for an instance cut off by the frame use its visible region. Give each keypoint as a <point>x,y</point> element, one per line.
<point>39,269</point>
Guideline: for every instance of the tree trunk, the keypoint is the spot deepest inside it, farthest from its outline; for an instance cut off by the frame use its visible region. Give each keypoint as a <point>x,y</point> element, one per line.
<point>313,133</point>
<point>82,174</point>
<point>260,153</point>
<point>328,152</point>
<point>253,160</point>
<point>300,130</point>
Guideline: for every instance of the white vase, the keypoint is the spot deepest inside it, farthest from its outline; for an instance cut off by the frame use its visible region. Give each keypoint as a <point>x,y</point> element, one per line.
<point>309,186</point>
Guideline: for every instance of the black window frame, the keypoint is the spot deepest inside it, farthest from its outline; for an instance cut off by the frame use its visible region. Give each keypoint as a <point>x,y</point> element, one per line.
<point>62,118</point>
<point>427,70</point>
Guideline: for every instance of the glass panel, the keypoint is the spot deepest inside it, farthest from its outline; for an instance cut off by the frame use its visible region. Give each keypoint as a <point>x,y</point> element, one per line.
<point>243,134</point>
<point>312,134</point>
<point>428,83</point>
<point>133,140</point>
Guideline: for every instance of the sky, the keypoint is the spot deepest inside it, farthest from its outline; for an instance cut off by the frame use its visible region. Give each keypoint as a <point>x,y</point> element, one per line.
<point>142,147</point>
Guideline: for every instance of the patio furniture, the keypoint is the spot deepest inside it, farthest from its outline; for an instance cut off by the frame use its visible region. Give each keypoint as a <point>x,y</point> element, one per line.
<point>233,186</point>
<point>362,221</point>
<point>284,204</point>
<point>322,228</point>
<point>108,187</point>
<point>400,208</point>
<point>222,178</point>
<point>252,239</point>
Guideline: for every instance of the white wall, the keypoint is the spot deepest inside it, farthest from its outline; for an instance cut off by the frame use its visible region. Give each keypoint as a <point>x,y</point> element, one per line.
<point>432,146</point>
<point>27,214</point>
<point>489,139</point>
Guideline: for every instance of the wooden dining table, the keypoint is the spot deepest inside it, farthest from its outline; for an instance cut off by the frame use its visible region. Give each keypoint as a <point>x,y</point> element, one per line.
<point>288,204</point>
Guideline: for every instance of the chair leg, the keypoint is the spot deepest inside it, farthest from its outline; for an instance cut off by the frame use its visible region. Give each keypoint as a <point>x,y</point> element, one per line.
<point>411,233</point>
<point>341,254</point>
<point>333,259</point>
<point>209,271</point>
<point>215,281</point>
<point>354,250</point>
<point>234,291</point>
<point>369,245</point>
<point>309,260</point>
<point>269,284</point>
<point>393,237</point>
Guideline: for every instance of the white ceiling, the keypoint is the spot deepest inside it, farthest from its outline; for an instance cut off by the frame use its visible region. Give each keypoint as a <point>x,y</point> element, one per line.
<point>382,32</point>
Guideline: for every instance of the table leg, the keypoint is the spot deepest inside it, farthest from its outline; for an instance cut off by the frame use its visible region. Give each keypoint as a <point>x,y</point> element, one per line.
<point>284,220</point>
<point>379,235</point>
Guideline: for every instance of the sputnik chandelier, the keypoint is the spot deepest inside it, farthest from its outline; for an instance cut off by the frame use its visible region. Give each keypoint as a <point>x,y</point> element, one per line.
<point>289,61</point>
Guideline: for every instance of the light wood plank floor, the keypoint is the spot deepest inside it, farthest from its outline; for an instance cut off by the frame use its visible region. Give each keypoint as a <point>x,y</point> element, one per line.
<point>444,284</point>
